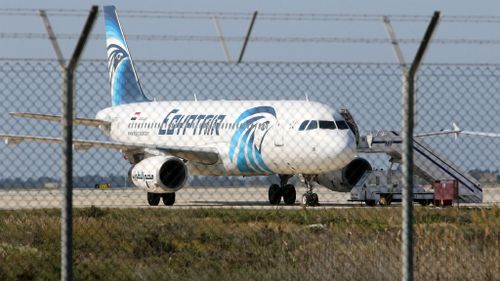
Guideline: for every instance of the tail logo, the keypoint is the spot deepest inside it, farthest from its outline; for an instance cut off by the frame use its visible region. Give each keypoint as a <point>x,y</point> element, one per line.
<point>125,86</point>
<point>246,144</point>
<point>116,55</point>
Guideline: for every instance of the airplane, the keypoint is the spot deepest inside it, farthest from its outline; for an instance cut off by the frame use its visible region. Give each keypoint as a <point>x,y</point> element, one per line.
<point>166,141</point>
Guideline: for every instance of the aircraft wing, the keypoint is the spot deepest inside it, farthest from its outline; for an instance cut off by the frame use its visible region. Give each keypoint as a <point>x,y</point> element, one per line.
<point>438,133</point>
<point>57,118</point>
<point>481,134</point>
<point>457,131</point>
<point>202,155</point>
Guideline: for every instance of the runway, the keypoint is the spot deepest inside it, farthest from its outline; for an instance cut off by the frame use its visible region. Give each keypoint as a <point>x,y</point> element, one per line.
<point>188,197</point>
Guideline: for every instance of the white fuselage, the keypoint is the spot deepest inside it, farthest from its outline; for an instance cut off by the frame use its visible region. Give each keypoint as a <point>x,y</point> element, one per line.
<point>252,137</point>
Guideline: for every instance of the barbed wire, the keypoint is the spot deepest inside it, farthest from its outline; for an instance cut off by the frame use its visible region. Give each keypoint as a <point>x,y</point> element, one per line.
<point>261,39</point>
<point>262,16</point>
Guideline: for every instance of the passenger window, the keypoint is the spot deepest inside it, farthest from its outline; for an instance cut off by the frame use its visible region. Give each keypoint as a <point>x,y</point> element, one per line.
<point>303,125</point>
<point>330,125</point>
<point>313,125</point>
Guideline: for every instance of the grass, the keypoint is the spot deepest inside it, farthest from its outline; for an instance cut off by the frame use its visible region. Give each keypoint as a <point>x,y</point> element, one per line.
<point>236,244</point>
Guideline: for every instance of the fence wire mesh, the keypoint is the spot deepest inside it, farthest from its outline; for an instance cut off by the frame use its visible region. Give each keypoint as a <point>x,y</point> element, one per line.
<point>249,222</point>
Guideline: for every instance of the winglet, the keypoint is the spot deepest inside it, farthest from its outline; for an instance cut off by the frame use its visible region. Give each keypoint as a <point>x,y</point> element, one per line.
<point>457,130</point>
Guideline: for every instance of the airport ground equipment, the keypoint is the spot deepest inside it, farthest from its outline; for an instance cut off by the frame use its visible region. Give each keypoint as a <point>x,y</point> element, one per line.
<point>102,186</point>
<point>445,192</point>
<point>428,164</point>
<point>382,187</point>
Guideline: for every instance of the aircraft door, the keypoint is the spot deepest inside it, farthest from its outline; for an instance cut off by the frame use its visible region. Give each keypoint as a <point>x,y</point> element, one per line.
<point>350,122</point>
<point>279,135</point>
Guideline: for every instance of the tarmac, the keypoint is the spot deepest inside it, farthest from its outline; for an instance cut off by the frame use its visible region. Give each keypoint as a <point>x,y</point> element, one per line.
<point>188,197</point>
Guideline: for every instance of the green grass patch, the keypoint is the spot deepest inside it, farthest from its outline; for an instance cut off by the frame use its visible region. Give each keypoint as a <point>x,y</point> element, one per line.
<point>230,244</point>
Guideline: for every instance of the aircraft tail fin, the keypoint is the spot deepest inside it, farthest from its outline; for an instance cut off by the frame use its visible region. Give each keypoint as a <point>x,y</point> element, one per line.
<point>125,85</point>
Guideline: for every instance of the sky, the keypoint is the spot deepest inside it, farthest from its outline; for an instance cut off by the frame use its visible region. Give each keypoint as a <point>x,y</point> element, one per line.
<point>257,51</point>
<point>265,51</point>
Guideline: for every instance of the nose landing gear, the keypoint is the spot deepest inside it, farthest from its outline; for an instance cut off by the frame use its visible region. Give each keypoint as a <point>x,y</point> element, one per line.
<point>309,198</point>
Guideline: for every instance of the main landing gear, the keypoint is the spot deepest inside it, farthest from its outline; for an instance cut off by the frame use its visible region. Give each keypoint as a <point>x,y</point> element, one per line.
<point>287,191</point>
<point>154,198</point>
<point>309,198</point>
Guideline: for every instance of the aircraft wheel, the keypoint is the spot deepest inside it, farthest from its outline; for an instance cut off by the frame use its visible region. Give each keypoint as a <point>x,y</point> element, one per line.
<point>385,200</point>
<point>304,200</point>
<point>424,202</point>
<point>153,199</point>
<point>168,199</point>
<point>310,199</point>
<point>289,194</point>
<point>370,202</point>
<point>274,194</point>
<point>315,199</point>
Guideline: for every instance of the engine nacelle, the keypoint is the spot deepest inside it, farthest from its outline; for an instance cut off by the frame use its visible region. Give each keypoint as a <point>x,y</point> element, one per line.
<point>345,179</point>
<point>159,174</point>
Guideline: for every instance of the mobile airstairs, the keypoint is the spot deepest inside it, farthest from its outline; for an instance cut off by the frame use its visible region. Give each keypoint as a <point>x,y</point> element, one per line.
<point>428,164</point>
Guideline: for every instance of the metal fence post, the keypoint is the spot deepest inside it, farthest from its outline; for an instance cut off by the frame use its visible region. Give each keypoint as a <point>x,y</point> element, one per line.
<point>215,20</point>
<point>407,191</point>
<point>247,37</point>
<point>407,150</point>
<point>67,148</point>
<point>67,176</point>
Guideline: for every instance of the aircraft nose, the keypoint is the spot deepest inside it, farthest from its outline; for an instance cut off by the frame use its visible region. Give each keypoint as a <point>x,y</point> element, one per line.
<point>337,152</point>
<point>347,149</point>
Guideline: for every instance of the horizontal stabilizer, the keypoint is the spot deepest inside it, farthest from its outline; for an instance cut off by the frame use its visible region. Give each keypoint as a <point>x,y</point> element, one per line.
<point>57,118</point>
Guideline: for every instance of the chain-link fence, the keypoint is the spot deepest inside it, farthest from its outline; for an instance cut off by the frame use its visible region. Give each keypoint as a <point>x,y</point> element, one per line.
<point>327,129</point>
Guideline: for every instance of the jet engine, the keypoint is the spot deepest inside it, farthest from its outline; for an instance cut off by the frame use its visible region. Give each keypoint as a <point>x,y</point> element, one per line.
<point>159,174</point>
<point>345,179</point>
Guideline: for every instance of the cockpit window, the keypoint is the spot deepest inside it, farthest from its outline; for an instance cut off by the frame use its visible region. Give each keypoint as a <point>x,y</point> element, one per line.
<point>330,125</point>
<point>313,125</point>
<point>303,125</point>
<point>322,124</point>
<point>342,124</point>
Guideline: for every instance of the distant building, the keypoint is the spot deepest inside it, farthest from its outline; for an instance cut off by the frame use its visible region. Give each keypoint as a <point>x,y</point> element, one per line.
<point>486,176</point>
<point>51,185</point>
